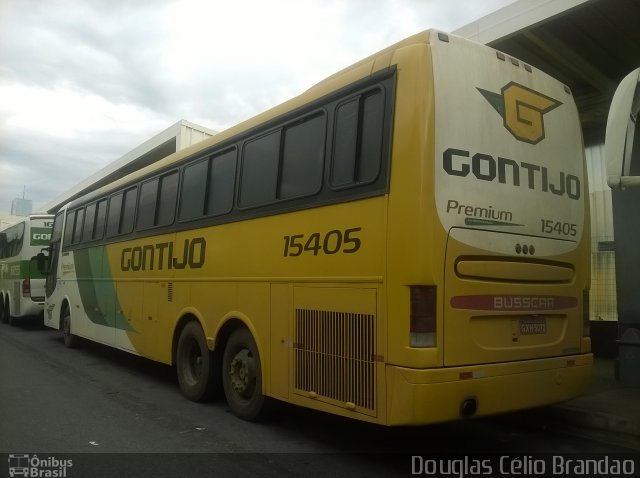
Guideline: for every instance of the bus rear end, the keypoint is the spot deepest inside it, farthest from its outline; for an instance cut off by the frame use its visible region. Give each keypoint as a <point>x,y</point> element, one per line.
<point>33,281</point>
<point>499,320</point>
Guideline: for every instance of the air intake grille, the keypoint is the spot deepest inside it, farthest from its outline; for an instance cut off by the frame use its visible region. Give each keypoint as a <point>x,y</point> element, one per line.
<point>334,356</point>
<point>170,291</point>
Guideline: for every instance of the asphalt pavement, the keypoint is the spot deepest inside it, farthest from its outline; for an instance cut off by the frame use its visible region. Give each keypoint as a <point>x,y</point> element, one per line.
<point>609,405</point>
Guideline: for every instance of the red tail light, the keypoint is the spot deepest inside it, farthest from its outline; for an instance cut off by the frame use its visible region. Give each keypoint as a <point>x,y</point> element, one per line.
<point>26,288</point>
<point>423,315</point>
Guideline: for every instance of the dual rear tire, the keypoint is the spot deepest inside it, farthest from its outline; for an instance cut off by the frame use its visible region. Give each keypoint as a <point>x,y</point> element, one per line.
<point>200,372</point>
<point>5,312</point>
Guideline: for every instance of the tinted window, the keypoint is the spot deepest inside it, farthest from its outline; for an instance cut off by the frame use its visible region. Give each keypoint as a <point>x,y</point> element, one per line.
<point>89,222</point>
<point>101,214</point>
<point>358,140</point>
<point>147,206</point>
<point>158,201</point>
<point>222,178</point>
<point>371,146</point>
<point>260,170</point>
<point>128,211</point>
<point>194,189</point>
<point>302,158</point>
<point>56,233</point>
<point>77,232</point>
<point>113,220</point>
<point>69,227</point>
<point>122,207</point>
<point>11,241</point>
<point>167,199</point>
<point>345,142</point>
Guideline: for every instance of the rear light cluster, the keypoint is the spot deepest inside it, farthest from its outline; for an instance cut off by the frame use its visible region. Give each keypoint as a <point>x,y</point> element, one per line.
<point>26,288</point>
<point>423,315</point>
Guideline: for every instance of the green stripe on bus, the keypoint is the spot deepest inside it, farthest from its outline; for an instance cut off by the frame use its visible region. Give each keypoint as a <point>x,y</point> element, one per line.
<point>97,290</point>
<point>21,270</point>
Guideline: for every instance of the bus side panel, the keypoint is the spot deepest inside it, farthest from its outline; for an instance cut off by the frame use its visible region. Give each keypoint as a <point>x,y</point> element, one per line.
<point>279,341</point>
<point>415,238</point>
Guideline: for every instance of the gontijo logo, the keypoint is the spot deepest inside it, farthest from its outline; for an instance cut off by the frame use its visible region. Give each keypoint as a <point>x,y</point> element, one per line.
<point>522,110</point>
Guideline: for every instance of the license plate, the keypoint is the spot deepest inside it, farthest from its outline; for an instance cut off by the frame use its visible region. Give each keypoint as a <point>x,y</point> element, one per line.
<point>533,325</point>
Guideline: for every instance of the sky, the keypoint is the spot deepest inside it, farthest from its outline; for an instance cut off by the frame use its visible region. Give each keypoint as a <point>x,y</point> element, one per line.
<point>83,82</point>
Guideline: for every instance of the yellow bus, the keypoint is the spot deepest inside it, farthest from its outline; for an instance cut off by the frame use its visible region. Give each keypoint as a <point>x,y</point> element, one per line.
<point>406,242</point>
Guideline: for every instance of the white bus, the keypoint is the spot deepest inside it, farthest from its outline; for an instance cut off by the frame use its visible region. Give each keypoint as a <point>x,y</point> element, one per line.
<point>21,285</point>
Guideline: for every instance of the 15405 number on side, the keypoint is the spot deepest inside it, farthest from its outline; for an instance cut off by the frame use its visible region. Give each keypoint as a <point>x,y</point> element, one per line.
<point>335,241</point>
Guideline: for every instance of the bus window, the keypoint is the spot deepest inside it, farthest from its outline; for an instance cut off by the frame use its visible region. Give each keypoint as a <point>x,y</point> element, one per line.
<point>260,170</point>
<point>302,158</point>
<point>101,213</point>
<point>147,206</point>
<point>194,188</point>
<point>157,201</point>
<point>89,222</point>
<point>128,211</point>
<point>122,207</point>
<point>77,231</point>
<point>113,220</point>
<point>222,176</point>
<point>70,227</point>
<point>167,199</point>
<point>358,140</point>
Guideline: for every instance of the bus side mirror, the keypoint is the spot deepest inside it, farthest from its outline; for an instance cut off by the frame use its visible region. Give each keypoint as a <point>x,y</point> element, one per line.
<point>623,133</point>
<point>41,263</point>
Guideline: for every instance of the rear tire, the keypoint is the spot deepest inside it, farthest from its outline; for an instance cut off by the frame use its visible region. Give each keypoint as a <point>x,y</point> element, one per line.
<point>70,340</point>
<point>242,376</point>
<point>7,314</point>
<point>195,364</point>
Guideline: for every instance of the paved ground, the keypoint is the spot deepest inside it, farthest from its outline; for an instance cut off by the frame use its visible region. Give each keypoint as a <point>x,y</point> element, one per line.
<point>609,405</point>
<point>94,401</point>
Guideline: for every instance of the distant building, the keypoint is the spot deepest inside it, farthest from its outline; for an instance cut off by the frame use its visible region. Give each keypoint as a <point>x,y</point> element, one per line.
<point>21,207</point>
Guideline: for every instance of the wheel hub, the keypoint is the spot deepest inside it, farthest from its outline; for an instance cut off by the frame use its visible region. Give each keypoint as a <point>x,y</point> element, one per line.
<point>242,373</point>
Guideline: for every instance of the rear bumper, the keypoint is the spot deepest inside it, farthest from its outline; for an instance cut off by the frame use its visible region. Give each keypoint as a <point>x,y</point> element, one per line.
<point>417,397</point>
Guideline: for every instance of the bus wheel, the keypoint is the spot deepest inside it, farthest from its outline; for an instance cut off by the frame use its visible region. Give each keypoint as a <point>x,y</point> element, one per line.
<point>242,376</point>
<point>194,363</point>
<point>70,340</point>
<point>7,314</point>
<point>3,315</point>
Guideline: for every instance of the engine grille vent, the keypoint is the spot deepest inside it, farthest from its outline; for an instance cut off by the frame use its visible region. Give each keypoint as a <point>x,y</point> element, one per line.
<point>335,356</point>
